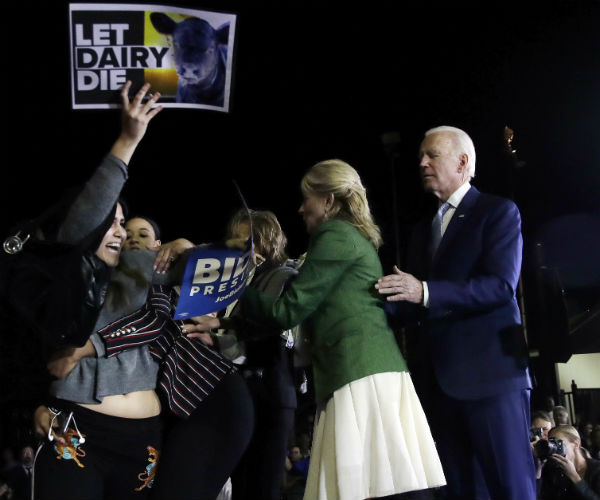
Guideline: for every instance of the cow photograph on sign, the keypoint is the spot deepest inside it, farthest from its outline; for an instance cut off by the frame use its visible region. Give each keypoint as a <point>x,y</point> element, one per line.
<point>186,55</point>
<point>200,55</point>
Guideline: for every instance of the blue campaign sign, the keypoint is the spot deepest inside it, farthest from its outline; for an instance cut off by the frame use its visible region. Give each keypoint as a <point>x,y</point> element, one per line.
<point>213,279</point>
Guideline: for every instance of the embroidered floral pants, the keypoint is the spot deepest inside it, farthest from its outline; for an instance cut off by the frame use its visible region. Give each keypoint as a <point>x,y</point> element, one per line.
<point>104,457</point>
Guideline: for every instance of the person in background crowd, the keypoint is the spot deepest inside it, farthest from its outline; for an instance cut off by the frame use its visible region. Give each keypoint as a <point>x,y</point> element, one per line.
<point>586,431</point>
<point>595,442</point>
<point>570,476</point>
<point>296,466</point>
<point>541,421</point>
<point>561,415</point>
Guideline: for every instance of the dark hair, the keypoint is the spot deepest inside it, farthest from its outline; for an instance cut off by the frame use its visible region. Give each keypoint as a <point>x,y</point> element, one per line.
<point>124,207</point>
<point>150,221</point>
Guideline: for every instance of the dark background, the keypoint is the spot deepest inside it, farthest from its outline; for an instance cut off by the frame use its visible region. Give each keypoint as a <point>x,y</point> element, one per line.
<point>316,81</point>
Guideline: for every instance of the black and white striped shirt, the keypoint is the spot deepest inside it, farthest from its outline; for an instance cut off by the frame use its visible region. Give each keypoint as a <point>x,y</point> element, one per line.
<point>189,370</point>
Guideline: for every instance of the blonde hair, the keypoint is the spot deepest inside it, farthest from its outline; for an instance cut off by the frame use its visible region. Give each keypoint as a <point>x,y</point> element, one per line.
<point>350,197</point>
<point>568,431</point>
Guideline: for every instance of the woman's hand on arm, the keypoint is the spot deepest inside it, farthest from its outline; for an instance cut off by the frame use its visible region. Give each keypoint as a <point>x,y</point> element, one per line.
<point>200,328</point>
<point>64,360</point>
<point>134,120</point>
<point>169,252</point>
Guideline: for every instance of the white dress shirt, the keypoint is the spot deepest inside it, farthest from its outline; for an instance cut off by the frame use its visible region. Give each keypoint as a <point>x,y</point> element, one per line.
<point>454,200</point>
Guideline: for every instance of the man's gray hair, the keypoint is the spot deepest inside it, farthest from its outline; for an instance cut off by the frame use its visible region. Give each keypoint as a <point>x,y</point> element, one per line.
<point>463,144</point>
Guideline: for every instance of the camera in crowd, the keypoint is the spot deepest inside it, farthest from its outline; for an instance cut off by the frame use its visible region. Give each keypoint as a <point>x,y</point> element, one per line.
<point>545,448</point>
<point>535,433</point>
<point>555,484</point>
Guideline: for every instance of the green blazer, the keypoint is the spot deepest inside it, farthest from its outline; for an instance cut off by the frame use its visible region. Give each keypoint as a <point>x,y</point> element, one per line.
<point>334,296</point>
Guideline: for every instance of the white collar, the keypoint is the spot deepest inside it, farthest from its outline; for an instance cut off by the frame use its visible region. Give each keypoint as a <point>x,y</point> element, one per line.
<point>455,198</point>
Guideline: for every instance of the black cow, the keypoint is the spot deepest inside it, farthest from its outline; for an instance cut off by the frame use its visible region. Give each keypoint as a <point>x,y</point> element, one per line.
<point>200,54</point>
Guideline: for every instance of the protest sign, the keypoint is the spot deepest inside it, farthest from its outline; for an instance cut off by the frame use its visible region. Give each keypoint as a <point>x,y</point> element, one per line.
<point>185,54</point>
<point>213,279</point>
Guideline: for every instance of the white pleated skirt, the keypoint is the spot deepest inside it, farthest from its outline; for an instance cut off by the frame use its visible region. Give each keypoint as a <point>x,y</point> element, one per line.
<point>371,440</point>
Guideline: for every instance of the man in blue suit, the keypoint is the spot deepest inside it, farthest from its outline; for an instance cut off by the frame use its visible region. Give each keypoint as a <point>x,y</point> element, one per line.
<point>470,359</point>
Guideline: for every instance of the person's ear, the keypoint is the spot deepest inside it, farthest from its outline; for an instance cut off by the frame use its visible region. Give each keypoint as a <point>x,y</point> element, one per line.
<point>157,243</point>
<point>463,160</point>
<point>329,201</point>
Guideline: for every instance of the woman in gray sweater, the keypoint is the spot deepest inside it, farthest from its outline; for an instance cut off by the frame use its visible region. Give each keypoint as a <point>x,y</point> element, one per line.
<point>104,396</point>
<point>65,466</point>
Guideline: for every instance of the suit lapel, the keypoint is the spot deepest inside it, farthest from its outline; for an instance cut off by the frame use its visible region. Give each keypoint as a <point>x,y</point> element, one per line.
<point>460,216</point>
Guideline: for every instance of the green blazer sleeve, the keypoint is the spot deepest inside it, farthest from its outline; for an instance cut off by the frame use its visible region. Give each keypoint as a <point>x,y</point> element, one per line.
<point>333,297</point>
<point>329,256</point>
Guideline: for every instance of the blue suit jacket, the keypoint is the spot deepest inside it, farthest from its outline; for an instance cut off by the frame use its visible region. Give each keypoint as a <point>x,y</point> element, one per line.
<point>471,330</point>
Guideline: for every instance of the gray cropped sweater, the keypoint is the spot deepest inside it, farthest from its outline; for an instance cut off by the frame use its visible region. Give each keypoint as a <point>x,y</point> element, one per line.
<point>94,378</point>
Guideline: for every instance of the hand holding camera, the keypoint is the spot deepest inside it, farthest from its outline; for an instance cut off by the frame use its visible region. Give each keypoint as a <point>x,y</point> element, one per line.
<point>535,434</point>
<point>545,448</point>
<point>567,467</point>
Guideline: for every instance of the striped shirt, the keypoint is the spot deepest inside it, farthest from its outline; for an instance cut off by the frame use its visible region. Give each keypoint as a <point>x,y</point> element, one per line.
<point>189,370</point>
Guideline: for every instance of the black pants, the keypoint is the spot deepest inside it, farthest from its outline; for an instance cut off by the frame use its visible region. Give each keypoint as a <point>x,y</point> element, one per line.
<point>260,472</point>
<point>200,453</point>
<point>116,461</point>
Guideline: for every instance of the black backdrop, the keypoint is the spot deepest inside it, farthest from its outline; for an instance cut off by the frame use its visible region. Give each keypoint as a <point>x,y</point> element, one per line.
<point>314,83</point>
<point>318,81</point>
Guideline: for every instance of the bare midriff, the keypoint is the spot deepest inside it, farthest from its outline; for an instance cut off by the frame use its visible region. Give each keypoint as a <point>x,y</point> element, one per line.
<point>139,404</point>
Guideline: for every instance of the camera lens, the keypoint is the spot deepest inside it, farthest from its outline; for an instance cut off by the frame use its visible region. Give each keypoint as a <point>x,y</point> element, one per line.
<point>543,448</point>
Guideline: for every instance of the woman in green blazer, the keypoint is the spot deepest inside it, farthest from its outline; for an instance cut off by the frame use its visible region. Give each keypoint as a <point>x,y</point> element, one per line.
<point>371,437</point>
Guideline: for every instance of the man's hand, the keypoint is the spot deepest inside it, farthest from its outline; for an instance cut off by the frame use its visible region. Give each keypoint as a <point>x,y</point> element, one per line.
<point>401,286</point>
<point>64,360</point>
